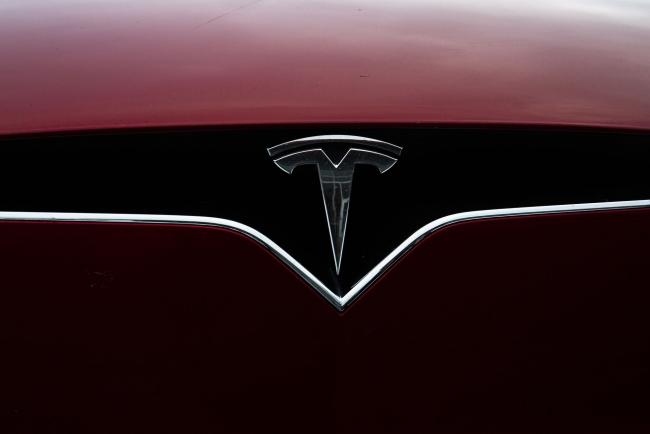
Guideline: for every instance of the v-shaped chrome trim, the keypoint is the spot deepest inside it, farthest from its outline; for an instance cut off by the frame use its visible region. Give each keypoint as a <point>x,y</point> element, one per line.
<point>338,302</point>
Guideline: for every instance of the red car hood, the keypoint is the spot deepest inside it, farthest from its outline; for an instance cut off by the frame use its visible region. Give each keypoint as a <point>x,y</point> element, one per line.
<point>106,64</point>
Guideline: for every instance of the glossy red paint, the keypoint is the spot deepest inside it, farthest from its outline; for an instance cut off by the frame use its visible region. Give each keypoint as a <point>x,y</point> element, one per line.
<point>104,64</point>
<point>144,329</point>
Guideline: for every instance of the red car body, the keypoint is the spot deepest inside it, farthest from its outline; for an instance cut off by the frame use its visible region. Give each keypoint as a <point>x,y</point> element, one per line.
<point>89,65</point>
<point>518,324</point>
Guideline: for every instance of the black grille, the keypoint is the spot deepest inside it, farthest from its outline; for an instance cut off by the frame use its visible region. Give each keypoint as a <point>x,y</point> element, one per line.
<point>227,173</point>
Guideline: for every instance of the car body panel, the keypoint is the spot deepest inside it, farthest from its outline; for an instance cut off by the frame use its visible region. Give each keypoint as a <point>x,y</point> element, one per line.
<point>521,324</point>
<point>69,65</point>
<point>152,327</point>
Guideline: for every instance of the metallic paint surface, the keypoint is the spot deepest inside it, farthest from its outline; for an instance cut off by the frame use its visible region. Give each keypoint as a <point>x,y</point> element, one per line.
<point>102,64</point>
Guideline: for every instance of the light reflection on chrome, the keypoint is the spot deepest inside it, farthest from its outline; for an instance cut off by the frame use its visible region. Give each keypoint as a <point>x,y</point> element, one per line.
<point>335,177</point>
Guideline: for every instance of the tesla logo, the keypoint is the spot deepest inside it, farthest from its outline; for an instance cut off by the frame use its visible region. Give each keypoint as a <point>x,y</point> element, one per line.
<point>335,174</point>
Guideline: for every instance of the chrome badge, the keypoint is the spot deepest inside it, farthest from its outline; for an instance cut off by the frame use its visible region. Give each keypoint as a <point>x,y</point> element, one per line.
<point>335,174</point>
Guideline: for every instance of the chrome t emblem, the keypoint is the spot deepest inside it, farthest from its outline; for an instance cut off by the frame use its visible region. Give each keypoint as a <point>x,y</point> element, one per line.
<point>335,176</point>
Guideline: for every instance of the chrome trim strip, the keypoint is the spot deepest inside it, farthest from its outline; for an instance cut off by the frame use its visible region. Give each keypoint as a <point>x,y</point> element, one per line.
<point>435,225</point>
<point>181,220</point>
<point>338,302</point>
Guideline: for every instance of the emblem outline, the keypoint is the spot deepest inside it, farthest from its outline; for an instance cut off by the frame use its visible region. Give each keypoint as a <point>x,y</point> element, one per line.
<point>335,177</point>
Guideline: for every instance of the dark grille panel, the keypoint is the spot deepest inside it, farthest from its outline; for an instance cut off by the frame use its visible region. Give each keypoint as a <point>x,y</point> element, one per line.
<point>227,173</point>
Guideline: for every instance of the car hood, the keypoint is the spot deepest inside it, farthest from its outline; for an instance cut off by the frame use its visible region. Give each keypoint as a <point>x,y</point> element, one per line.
<point>69,65</point>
